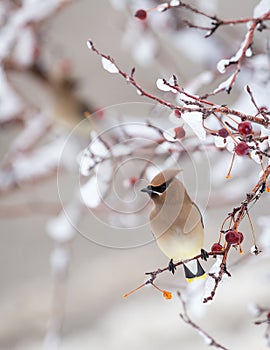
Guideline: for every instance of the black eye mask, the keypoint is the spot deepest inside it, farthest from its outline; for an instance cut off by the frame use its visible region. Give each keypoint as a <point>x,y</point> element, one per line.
<point>161,188</point>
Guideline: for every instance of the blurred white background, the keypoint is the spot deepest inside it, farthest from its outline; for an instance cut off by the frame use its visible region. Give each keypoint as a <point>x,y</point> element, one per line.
<point>96,315</point>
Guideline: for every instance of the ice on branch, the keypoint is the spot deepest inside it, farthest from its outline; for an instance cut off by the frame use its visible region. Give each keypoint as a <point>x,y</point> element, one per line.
<point>86,162</point>
<point>262,7</point>
<point>92,155</point>
<point>59,259</point>
<point>39,163</point>
<point>36,10</point>
<point>93,191</point>
<point>10,103</point>
<point>174,3</point>
<point>249,52</point>
<point>170,135</point>
<point>34,129</point>
<point>254,310</point>
<point>210,281</point>
<point>220,142</point>
<point>162,7</point>
<point>109,66</point>
<point>265,132</point>
<point>224,63</point>
<point>63,227</point>
<point>161,85</point>
<point>142,131</point>
<point>121,150</point>
<point>225,85</point>
<point>89,44</point>
<point>30,11</point>
<point>97,147</point>
<point>208,340</point>
<point>255,156</point>
<point>23,53</point>
<point>194,121</point>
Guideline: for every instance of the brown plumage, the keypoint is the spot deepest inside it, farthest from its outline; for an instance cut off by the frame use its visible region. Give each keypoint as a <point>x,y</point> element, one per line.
<point>175,220</point>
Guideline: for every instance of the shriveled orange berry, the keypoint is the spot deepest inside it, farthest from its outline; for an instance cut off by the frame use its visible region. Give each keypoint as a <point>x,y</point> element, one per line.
<point>167,295</point>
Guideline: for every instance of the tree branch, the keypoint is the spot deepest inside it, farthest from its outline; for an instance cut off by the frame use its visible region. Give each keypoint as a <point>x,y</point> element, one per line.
<point>206,336</point>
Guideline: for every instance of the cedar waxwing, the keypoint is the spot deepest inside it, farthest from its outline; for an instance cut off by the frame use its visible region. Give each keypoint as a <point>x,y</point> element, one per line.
<point>176,222</point>
<point>63,105</point>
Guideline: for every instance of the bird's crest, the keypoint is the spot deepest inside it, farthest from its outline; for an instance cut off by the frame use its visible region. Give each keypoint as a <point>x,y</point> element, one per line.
<point>164,176</point>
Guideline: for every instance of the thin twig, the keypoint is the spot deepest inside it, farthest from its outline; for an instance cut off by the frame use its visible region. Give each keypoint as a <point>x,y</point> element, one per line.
<point>186,318</point>
<point>207,110</point>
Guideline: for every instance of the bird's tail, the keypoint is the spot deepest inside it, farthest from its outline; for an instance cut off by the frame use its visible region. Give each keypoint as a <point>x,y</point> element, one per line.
<point>192,272</point>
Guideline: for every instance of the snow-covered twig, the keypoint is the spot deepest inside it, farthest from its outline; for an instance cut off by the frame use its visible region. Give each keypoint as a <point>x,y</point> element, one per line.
<point>216,22</point>
<point>209,340</point>
<point>206,107</point>
<point>237,215</point>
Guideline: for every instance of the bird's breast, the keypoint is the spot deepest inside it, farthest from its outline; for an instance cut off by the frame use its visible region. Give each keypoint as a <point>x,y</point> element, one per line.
<point>178,245</point>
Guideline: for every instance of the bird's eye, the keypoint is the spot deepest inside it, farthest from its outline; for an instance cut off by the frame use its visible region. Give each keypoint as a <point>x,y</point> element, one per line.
<point>163,187</point>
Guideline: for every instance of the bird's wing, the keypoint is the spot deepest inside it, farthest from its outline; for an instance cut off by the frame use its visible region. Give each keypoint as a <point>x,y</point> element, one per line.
<point>200,213</point>
<point>193,219</point>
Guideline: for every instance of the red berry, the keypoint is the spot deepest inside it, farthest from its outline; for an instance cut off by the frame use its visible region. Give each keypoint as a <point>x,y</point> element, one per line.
<point>99,113</point>
<point>133,180</point>
<point>232,237</point>
<point>141,14</point>
<point>268,315</point>
<point>179,132</point>
<point>245,128</point>
<point>241,149</point>
<point>240,237</point>
<point>223,133</point>
<point>216,247</point>
<point>177,113</point>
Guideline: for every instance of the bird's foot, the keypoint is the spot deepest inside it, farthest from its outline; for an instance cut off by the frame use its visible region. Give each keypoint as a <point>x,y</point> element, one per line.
<point>204,254</point>
<point>171,267</point>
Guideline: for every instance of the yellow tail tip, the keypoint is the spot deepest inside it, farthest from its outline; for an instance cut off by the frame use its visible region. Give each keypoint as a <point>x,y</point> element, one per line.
<point>196,278</point>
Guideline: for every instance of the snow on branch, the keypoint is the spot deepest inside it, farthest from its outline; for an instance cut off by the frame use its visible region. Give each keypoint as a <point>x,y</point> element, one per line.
<point>233,238</point>
<point>209,340</point>
<point>195,110</point>
<point>30,12</point>
<point>261,15</point>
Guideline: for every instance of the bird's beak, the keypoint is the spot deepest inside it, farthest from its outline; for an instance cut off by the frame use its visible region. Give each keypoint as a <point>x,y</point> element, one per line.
<point>147,190</point>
